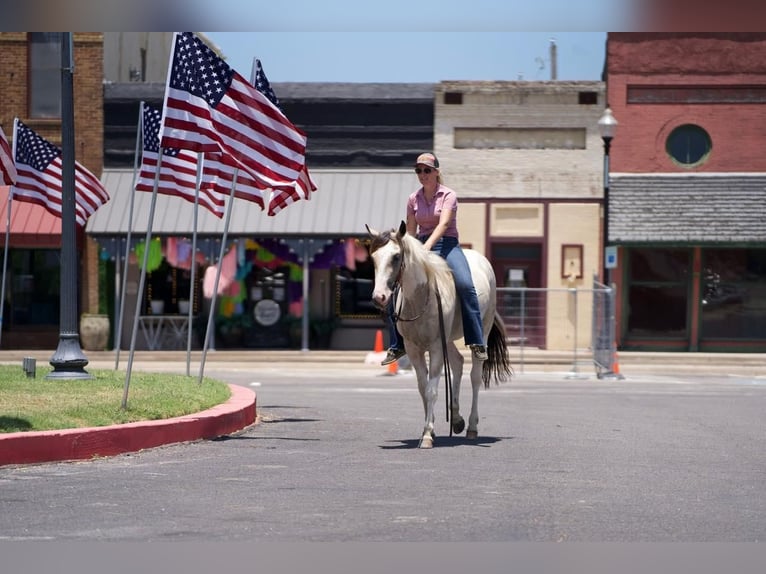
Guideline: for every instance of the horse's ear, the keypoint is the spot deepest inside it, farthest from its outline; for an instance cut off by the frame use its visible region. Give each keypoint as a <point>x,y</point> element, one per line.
<point>402,229</point>
<point>371,231</point>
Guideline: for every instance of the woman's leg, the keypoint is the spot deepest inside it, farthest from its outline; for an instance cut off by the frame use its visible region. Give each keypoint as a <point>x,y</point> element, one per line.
<point>395,343</point>
<point>449,248</point>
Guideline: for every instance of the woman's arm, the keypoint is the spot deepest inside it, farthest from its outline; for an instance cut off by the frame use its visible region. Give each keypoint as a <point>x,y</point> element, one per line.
<point>444,221</point>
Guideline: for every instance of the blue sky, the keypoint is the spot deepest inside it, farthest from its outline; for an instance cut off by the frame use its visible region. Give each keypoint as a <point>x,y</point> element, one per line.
<point>413,56</point>
<point>416,41</point>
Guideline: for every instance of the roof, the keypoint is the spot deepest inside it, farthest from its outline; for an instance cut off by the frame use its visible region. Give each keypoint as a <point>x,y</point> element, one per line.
<point>344,202</point>
<point>31,225</point>
<point>683,208</point>
<point>304,91</point>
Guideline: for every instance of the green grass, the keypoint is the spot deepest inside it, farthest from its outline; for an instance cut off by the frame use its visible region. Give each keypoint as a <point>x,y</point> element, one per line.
<point>37,404</point>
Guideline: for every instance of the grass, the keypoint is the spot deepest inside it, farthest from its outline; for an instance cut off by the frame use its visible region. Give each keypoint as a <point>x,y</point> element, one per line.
<point>37,404</point>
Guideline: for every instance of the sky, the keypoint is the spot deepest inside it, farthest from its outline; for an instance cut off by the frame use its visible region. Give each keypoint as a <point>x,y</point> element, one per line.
<point>413,56</point>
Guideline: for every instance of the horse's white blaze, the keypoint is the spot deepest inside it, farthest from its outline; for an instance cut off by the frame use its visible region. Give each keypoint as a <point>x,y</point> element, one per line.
<point>383,259</point>
<point>420,274</point>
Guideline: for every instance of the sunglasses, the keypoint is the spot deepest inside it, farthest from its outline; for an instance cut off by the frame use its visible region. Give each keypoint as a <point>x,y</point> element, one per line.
<point>425,170</point>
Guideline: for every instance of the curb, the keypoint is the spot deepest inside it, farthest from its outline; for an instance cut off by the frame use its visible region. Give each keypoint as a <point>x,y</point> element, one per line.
<point>84,443</point>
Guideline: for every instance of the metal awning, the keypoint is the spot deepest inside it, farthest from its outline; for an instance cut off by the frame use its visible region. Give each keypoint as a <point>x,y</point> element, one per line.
<point>32,226</point>
<point>344,202</point>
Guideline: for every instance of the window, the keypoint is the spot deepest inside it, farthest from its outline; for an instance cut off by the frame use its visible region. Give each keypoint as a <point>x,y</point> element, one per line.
<point>733,288</point>
<point>45,75</point>
<point>688,145</point>
<point>32,295</point>
<point>658,292</point>
<point>453,98</point>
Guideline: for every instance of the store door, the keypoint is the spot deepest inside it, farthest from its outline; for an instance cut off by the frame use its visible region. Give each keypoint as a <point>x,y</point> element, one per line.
<point>520,265</point>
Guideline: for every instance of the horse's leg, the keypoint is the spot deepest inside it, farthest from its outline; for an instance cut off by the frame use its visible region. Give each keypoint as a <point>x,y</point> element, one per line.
<point>456,367</point>
<point>429,391</point>
<point>476,384</point>
<point>418,361</point>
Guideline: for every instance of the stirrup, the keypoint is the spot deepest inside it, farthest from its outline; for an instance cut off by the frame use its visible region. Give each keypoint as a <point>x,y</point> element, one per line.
<point>393,355</point>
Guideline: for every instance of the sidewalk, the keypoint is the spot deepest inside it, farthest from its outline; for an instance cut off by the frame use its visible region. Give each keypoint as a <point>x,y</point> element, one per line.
<point>523,360</point>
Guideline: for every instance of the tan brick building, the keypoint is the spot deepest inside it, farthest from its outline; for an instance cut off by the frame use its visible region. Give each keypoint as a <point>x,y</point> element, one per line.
<point>525,159</point>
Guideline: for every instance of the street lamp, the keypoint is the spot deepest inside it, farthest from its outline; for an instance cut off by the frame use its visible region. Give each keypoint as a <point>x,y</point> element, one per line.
<point>607,125</point>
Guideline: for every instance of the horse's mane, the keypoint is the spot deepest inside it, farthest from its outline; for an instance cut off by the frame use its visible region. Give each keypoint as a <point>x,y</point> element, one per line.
<point>436,269</point>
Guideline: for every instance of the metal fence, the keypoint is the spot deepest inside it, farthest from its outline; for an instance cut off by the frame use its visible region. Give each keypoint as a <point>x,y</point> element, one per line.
<point>575,326</point>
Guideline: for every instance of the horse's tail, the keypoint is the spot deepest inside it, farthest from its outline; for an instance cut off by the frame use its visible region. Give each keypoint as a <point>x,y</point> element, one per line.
<point>498,365</point>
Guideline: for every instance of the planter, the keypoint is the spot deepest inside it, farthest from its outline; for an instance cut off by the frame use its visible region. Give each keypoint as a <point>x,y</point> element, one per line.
<point>94,332</point>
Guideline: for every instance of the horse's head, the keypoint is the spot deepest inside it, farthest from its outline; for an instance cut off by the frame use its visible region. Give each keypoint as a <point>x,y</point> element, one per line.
<point>387,257</point>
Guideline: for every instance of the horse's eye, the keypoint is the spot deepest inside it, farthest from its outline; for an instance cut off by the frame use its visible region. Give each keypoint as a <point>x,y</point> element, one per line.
<point>396,258</point>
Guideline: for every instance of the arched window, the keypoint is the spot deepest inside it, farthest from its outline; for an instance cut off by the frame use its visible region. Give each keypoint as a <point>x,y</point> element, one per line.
<point>688,145</point>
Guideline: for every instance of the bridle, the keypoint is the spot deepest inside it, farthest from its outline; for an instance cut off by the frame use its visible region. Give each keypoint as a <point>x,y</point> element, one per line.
<point>396,287</point>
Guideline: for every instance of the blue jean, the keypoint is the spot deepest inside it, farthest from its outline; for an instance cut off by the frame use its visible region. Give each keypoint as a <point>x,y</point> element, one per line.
<point>449,249</point>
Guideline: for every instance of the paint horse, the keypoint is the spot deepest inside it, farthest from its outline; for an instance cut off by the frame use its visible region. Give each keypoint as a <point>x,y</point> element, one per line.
<point>421,285</point>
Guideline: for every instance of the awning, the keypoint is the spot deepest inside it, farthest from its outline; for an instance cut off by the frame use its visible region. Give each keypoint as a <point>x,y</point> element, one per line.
<point>687,208</point>
<point>344,202</point>
<point>32,226</point>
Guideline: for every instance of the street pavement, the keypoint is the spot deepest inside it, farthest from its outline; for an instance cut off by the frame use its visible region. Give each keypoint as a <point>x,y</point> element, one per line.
<point>673,453</point>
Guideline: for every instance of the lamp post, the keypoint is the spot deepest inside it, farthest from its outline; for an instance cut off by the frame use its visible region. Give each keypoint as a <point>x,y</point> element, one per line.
<point>607,125</point>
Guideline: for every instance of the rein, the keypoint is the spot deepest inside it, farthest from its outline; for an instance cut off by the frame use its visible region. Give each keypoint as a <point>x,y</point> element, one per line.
<point>447,370</point>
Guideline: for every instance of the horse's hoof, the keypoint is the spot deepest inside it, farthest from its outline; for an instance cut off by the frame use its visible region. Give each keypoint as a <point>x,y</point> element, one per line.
<point>458,426</point>
<point>426,442</point>
<point>472,434</point>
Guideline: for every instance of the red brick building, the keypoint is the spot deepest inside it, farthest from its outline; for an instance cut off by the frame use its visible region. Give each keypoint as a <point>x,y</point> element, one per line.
<point>30,65</point>
<point>687,202</point>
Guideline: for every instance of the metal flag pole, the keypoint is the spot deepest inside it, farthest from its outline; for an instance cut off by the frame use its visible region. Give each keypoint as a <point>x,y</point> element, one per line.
<point>139,146</point>
<point>209,328</point>
<point>7,236</point>
<point>142,281</point>
<point>200,163</point>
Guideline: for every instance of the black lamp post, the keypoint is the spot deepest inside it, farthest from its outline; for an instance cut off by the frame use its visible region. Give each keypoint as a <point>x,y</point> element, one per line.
<point>68,361</point>
<point>607,125</point>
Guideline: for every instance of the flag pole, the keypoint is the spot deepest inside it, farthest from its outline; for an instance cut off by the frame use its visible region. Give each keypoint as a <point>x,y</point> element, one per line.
<point>139,141</point>
<point>5,254</point>
<point>141,282</point>
<point>209,328</point>
<point>200,161</point>
<point>7,237</point>
<point>68,361</point>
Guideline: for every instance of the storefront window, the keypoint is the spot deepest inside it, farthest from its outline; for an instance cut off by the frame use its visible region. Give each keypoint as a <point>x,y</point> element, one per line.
<point>733,294</point>
<point>658,292</point>
<point>354,283</point>
<point>32,288</point>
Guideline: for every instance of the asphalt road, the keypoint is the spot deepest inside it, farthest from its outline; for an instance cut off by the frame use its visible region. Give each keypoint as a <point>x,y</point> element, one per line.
<point>334,459</point>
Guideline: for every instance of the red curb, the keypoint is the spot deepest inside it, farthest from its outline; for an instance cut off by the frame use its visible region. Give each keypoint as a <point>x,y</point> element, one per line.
<point>77,444</point>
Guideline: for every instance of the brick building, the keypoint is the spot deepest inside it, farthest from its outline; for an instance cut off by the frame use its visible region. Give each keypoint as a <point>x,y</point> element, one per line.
<point>525,159</point>
<point>30,64</point>
<point>688,189</point>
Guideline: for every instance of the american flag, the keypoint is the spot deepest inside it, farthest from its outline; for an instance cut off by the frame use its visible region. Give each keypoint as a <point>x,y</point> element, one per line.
<point>7,167</point>
<point>283,195</point>
<point>39,180</point>
<point>178,172</point>
<point>209,107</point>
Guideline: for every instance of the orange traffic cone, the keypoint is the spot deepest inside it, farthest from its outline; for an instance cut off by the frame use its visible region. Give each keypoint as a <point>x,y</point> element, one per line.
<point>378,341</point>
<point>615,364</point>
<point>393,368</point>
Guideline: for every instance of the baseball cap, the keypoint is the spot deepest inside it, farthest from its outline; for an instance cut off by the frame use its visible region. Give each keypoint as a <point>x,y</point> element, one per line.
<point>428,159</point>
